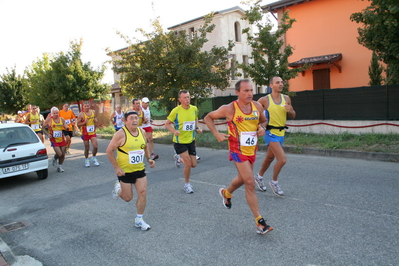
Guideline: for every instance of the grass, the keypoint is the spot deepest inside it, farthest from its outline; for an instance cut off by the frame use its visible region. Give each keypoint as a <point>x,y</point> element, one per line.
<point>369,142</point>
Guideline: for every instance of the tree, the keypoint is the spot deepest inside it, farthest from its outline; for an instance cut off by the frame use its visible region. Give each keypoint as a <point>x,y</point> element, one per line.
<point>375,71</point>
<point>63,77</point>
<point>171,61</point>
<point>380,32</point>
<point>12,92</point>
<point>270,53</point>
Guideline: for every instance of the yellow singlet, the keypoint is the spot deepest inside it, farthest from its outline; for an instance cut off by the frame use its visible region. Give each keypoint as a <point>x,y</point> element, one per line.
<point>130,156</point>
<point>277,115</point>
<point>35,126</point>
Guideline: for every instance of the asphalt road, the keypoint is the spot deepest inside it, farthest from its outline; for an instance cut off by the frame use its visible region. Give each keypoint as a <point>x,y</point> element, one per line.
<point>336,211</point>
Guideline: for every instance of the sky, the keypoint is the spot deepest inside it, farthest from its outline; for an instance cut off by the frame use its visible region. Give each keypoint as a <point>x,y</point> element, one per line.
<point>29,28</point>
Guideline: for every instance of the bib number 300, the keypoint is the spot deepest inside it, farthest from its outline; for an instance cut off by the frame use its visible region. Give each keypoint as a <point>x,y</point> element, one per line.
<point>136,157</point>
<point>249,138</point>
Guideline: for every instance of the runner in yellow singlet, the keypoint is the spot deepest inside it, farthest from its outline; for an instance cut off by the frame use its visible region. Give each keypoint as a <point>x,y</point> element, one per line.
<point>246,122</point>
<point>137,109</point>
<point>183,123</point>
<point>20,117</point>
<point>33,119</point>
<point>53,127</point>
<point>277,106</point>
<point>87,120</point>
<point>131,148</point>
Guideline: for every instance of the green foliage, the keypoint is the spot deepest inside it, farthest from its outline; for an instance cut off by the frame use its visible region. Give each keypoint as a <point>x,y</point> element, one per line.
<point>12,92</point>
<point>375,71</point>
<point>63,77</point>
<point>270,59</point>
<point>392,74</point>
<point>171,61</point>
<point>380,32</point>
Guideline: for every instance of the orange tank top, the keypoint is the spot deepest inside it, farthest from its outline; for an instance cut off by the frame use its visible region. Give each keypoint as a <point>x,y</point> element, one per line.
<point>242,129</point>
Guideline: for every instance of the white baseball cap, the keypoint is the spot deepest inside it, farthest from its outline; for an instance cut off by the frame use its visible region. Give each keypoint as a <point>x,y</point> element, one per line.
<point>145,100</point>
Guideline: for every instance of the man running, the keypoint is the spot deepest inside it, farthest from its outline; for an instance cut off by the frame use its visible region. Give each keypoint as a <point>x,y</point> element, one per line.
<point>34,121</point>
<point>117,117</point>
<point>139,111</point>
<point>87,120</point>
<point>277,106</point>
<point>182,122</point>
<point>246,121</point>
<point>147,126</point>
<point>70,121</point>
<point>131,149</point>
<point>3,118</point>
<point>56,125</point>
<point>20,118</point>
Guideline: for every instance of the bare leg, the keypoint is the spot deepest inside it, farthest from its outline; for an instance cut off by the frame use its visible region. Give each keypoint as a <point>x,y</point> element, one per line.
<point>141,188</point>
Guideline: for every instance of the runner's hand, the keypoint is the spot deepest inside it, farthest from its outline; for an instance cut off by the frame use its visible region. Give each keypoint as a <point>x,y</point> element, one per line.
<point>151,162</point>
<point>221,137</point>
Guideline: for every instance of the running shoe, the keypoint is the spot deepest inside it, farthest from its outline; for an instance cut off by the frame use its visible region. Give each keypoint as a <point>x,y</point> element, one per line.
<point>259,182</point>
<point>95,162</point>
<point>67,152</point>
<point>139,222</point>
<point>154,156</point>
<point>177,160</point>
<point>262,227</point>
<point>87,163</point>
<point>276,189</point>
<point>198,158</point>
<point>55,162</point>
<point>60,169</point>
<point>226,201</point>
<point>117,187</point>
<point>188,189</point>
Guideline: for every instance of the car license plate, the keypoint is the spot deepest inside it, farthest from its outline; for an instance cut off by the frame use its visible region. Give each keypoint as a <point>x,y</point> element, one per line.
<point>15,168</point>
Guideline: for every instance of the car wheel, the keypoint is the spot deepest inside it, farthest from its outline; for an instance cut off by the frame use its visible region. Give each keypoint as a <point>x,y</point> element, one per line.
<point>42,174</point>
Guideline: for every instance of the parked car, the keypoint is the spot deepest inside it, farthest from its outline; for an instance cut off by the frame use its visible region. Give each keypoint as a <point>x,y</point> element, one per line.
<point>21,151</point>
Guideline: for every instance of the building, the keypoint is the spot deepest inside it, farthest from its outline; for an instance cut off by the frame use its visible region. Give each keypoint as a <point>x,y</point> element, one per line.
<point>228,26</point>
<point>325,37</point>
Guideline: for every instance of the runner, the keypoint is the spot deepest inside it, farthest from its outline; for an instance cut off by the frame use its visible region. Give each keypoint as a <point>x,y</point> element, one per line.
<point>182,122</point>
<point>20,117</point>
<point>53,127</point>
<point>33,119</point>
<point>137,109</point>
<point>147,126</point>
<point>70,120</point>
<point>277,106</point>
<point>4,118</point>
<point>117,118</point>
<point>131,149</point>
<point>87,120</point>
<point>246,121</point>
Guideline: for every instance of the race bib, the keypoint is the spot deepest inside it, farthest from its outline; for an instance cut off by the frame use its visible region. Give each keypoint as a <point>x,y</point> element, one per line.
<point>35,126</point>
<point>119,124</point>
<point>90,129</point>
<point>189,126</point>
<point>249,138</point>
<point>57,134</point>
<point>68,121</point>
<point>136,157</point>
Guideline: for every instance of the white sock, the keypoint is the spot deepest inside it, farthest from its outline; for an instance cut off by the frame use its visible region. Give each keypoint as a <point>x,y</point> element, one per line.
<point>274,182</point>
<point>139,216</point>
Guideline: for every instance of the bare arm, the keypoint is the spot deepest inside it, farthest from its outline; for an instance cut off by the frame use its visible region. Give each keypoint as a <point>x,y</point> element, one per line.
<point>116,142</point>
<point>223,112</point>
<point>169,125</point>
<point>146,151</point>
<point>289,108</point>
<point>262,119</point>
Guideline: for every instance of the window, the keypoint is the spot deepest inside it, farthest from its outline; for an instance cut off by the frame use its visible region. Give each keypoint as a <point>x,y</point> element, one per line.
<point>233,67</point>
<point>191,33</point>
<point>321,79</point>
<point>237,31</point>
<point>245,62</point>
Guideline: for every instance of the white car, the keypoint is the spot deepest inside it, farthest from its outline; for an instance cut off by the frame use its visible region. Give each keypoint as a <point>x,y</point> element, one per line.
<point>21,151</point>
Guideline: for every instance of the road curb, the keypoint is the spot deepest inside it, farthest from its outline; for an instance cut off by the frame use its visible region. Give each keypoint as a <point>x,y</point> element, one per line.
<point>7,257</point>
<point>376,156</point>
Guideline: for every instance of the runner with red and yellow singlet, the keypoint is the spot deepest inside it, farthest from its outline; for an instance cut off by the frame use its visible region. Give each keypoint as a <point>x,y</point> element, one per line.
<point>246,121</point>
<point>87,120</point>
<point>33,120</point>
<point>70,121</point>
<point>53,127</point>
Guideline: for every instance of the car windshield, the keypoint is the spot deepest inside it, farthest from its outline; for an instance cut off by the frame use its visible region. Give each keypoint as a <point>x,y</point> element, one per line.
<point>10,136</point>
